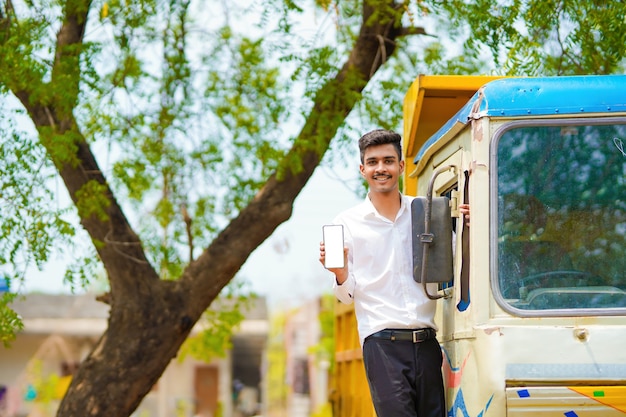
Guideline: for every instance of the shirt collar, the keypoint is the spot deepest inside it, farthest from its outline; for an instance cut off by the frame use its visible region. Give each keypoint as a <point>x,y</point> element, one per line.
<point>368,209</point>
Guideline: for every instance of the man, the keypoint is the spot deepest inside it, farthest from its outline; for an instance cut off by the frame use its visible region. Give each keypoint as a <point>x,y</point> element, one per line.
<point>401,354</point>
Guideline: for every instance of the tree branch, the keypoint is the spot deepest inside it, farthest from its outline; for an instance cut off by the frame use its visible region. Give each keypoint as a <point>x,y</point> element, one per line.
<point>273,204</point>
<point>409,31</point>
<point>109,230</point>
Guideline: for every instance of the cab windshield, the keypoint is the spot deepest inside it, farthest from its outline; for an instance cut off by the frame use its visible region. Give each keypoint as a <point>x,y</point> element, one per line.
<point>561,222</point>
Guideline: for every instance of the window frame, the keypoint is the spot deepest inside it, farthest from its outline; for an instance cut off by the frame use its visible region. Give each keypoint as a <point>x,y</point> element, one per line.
<point>494,215</point>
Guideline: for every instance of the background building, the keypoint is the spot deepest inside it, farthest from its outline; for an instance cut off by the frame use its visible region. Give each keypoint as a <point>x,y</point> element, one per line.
<point>61,330</point>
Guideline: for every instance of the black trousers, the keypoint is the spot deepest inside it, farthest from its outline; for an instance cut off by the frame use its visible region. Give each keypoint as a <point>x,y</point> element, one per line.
<point>405,378</point>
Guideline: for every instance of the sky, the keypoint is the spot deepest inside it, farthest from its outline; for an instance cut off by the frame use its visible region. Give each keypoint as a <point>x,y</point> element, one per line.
<point>285,268</point>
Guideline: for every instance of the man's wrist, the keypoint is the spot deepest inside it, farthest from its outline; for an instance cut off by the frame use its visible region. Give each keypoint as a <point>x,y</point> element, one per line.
<point>340,280</point>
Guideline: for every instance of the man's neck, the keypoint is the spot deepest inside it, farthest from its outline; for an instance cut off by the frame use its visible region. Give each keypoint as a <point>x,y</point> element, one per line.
<point>387,204</point>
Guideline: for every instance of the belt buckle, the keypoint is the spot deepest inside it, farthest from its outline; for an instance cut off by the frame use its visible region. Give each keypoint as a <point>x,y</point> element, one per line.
<point>420,335</point>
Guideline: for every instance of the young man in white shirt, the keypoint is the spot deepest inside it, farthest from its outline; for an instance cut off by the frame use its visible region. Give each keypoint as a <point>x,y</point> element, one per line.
<point>401,354</point>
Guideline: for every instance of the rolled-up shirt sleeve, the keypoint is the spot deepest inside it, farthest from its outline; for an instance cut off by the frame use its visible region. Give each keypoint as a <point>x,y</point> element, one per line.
<point>345,291</point>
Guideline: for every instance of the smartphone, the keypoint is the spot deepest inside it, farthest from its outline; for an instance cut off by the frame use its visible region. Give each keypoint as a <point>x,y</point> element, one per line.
<point>333,245</point>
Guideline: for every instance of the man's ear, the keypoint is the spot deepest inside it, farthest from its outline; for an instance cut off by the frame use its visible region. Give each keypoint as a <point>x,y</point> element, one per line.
<point>362,169</point>
<point>401,167</point>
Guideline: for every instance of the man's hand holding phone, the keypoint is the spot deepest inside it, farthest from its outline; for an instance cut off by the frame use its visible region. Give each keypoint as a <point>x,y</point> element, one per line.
<point>333,254</point>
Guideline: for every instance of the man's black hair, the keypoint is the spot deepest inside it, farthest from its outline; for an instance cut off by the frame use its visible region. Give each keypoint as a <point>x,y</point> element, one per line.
<point>380,137</point>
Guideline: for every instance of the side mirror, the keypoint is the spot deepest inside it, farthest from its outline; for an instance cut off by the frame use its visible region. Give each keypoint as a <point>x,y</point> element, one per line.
<point>432,246</point>
<point>432,237</point>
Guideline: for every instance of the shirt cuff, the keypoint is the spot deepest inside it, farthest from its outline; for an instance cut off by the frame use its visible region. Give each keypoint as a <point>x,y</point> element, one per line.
<point>344,292</point>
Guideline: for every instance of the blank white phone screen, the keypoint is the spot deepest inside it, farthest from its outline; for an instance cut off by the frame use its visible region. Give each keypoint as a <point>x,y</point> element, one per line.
<point>333,245</point>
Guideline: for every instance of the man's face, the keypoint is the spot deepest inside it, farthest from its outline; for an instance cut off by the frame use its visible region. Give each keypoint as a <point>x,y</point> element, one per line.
<point>382,168</point>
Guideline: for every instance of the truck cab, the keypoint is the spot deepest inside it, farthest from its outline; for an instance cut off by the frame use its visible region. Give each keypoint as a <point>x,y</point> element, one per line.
<point>532,322</point>
<point>532,315</point>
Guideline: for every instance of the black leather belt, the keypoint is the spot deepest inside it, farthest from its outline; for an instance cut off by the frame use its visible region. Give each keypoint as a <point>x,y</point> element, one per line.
<point>415,336</point>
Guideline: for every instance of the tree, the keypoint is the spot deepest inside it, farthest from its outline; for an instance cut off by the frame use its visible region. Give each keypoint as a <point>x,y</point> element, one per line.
<point>170,139</point>
<point>152,313</point>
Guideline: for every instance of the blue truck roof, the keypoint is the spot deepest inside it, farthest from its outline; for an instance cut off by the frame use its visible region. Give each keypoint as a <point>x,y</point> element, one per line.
<point>545,96</point>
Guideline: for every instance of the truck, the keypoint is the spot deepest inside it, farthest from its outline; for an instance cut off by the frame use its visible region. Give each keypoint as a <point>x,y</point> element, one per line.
<point>531,300</point>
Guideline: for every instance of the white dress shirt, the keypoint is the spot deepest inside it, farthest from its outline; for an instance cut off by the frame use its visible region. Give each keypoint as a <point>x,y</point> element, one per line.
<point>380,262</point>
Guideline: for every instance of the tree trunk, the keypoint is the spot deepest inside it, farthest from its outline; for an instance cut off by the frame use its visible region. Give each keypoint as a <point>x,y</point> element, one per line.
<point>143,335</point>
